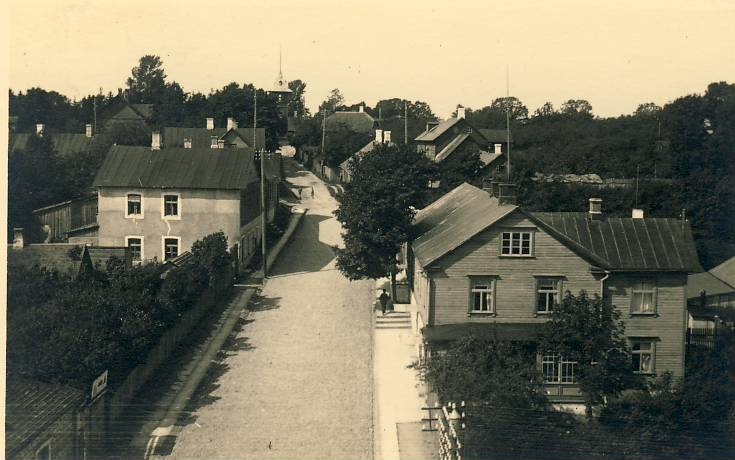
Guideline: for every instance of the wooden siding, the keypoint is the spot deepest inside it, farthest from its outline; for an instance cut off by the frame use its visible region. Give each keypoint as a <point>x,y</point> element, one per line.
<point>515,277</point>
<point>667,327</point>
<point>67,216</point>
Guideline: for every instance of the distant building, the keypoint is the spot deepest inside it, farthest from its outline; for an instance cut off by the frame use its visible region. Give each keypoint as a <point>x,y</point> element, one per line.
<point>381,137</point>
<point>159,201</point>
<point>65,144</point>
<point>127,113</point>
<point>711,296</point>
<point>210,136</point>
<point>481,265</point>
<point>360,121</point>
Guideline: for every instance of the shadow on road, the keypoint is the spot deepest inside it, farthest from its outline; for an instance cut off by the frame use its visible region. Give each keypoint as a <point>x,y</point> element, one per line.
<point>260,303</point>
<point>305,253</point>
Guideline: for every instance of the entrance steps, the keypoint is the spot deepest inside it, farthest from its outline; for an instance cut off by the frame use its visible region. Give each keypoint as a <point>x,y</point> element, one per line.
<point>393,320</point>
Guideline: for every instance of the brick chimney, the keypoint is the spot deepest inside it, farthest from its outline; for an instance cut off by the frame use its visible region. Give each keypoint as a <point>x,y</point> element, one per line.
<point>460,112</point>
<point>18,242</point>
<point>213,141</point>
<point>187,143</point>
<point>40,127</point>
<point>386,137</point>
<point>155,140</point>
<point>220,143</point>
<point>88,130</point>
<point>210,123</point>
<point>595,208</point>
<point>231,123</point>
<point>378,136</point>
<point>637,213</point>
<point>361,109</point>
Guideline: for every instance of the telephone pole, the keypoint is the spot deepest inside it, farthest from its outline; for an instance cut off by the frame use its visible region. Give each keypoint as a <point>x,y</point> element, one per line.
<point>263,211</point>
<point>507,115</point>
<point>405,122</point>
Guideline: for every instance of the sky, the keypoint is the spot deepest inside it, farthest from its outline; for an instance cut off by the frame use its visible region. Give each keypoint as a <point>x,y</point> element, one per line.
<point>614,54</point>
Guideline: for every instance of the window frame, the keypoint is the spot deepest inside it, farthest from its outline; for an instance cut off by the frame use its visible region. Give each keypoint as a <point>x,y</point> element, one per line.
<point>127,206</point>
<point>176,216</point>
<point>559,280</point>
<point>490,281</point>
<point>520,232</point>
<point>163,246</point>
<point>559,364</point>
<point>651,352</point>
<point>142,247</point>
<point>636,311</point>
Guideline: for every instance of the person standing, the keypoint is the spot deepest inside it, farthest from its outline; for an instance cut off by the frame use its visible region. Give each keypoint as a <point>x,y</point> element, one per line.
<point>312,192</point>
<point>384,300</point>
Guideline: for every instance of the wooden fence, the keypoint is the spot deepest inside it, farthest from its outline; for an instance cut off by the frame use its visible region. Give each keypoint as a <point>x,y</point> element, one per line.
<point>709,338</point>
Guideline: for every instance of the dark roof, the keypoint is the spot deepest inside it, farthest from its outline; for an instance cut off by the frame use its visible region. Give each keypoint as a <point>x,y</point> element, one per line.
<point>651,244</point>
<point>66,144</point>
<point>359,122</point>
<point>57,256</point>
<point>200,168</point>
<point>451,147</point>
<point>498,331</point>
<point>202,137</point>
<point>726,271</point>
<point>496,136</point>
<point>30,407</point>
<point>437,130</point>
<point>453,219</point>
<point>706,281</point>
<point>144,110</point>
<point>129,112</point>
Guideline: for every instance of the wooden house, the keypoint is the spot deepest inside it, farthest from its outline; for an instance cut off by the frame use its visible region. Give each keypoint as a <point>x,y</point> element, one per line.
<point>482,265</point>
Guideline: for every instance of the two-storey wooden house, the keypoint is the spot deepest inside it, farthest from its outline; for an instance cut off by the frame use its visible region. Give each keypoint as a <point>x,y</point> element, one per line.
<point>159,201</point>
<point>484,266</point>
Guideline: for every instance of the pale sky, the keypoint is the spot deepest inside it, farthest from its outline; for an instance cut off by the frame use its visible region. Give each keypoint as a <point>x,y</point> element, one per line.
<point>615,54</point>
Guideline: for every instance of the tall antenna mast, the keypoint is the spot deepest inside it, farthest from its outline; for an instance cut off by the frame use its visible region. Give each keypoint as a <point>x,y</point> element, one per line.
<point>637,174</point>
<point>507,115</point>
<point>405,122</point>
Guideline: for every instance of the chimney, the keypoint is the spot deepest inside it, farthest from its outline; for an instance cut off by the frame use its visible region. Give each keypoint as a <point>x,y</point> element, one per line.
<point>187,143</point>
<point>155,140</point>
<point>386,137</point>
<point>231,123</point>
<point>637,213</point>
<point>210,123</point>
<point>18,238</point>
<point>595,208</point>
<point>378,136</point>
<point>361,109</point>
<point>460,112</point>
<point>220,143</point>
<point>88,130</point>
<point>214,141</point>
<point>40,127</point>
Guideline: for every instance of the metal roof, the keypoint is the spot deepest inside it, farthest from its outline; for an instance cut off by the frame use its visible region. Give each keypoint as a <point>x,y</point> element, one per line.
<point>438,130</point>
<point>359,122</point>
<point>706,281</point>
<point>725,271</point>
<point>65,144</point>
<point>651,244</point>
<point>487,158</point>
<point>173,136</point>
<point>453,219</point>
<point>30,407</point>
<point>451,147</point>
<point>198,168</point>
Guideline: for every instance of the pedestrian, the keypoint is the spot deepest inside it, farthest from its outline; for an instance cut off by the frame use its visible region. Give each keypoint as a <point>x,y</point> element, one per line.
<point>312,192</point>
<point>384,300</point>
<point>299,194</point>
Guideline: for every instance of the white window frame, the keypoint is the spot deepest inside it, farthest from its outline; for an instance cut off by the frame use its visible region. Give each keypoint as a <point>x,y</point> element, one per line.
<point>512,238</point>
<point>556,292</point>
<point>488,281</point>
<point>142,247</point>
<point>558,365</point>
<point>651,352</point>
<point>178,206</point>
<point>163,246</point>
<point>127,207</point>
<point>639,288</point>
<point>43,446</point>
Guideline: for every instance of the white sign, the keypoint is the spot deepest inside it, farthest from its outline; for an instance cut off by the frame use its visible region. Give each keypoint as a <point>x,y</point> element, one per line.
<point>99,384</point>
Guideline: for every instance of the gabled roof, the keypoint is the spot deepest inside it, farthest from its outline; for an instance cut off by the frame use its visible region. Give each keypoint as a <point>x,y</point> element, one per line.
<point>651,244</point>
<point>725,271</point>
<point>437,130</point>
<point>451,147</point>
<point>496,136</point>
<point>65,258</point>
<point>130,112</point>
<point>31,407</point>
<point>173,136</point>
<point>65,144</point>
<point>359,122</point>
<point>369,147</point>
<point>199,168</point>
<point>706,281</point>
<point>487,158</point>
<point>453,219</point>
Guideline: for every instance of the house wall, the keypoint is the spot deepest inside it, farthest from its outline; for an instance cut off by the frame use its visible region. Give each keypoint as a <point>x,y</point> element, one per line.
<point>515,285</point>
<point>202,212</point>
<point>61,435</point>
<point>667,327</point>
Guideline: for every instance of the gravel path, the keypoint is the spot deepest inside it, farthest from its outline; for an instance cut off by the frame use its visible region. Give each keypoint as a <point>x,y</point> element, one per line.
<point>296,381</point>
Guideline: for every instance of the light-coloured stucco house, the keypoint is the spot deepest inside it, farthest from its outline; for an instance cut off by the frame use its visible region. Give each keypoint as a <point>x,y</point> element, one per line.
<point>159,201</point>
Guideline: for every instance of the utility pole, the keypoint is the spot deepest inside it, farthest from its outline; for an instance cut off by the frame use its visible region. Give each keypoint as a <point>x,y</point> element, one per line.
<point>263,211</point>
<point>405,122</point>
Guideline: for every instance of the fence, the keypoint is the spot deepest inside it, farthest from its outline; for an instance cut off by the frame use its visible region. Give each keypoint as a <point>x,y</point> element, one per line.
<point>709,339</point>
<point>450,422</point>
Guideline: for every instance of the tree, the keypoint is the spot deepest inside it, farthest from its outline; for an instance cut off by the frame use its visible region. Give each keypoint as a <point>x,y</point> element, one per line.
<point>377,208</point>
<point>333,102</point>
<point>589,332</point>
<point>577,108</point>
<point>494,115</point>
<point>647,109</point>
<point>341,142</point>
<point>148,80</point>
<point>296,98</point>
<point>546,110</point>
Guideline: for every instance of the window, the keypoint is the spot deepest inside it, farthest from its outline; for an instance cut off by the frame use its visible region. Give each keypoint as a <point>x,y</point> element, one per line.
<point>170,248</point>
<point>517,244</point>
<point>556,369</point>
<point>135,206</point>
<point>643,352</point>
<point>481,296</point>
<point>170,206</point>
<point>643,300</point>
<point>44,453</point>
<point>547,294</point>
<point>135,245</point>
